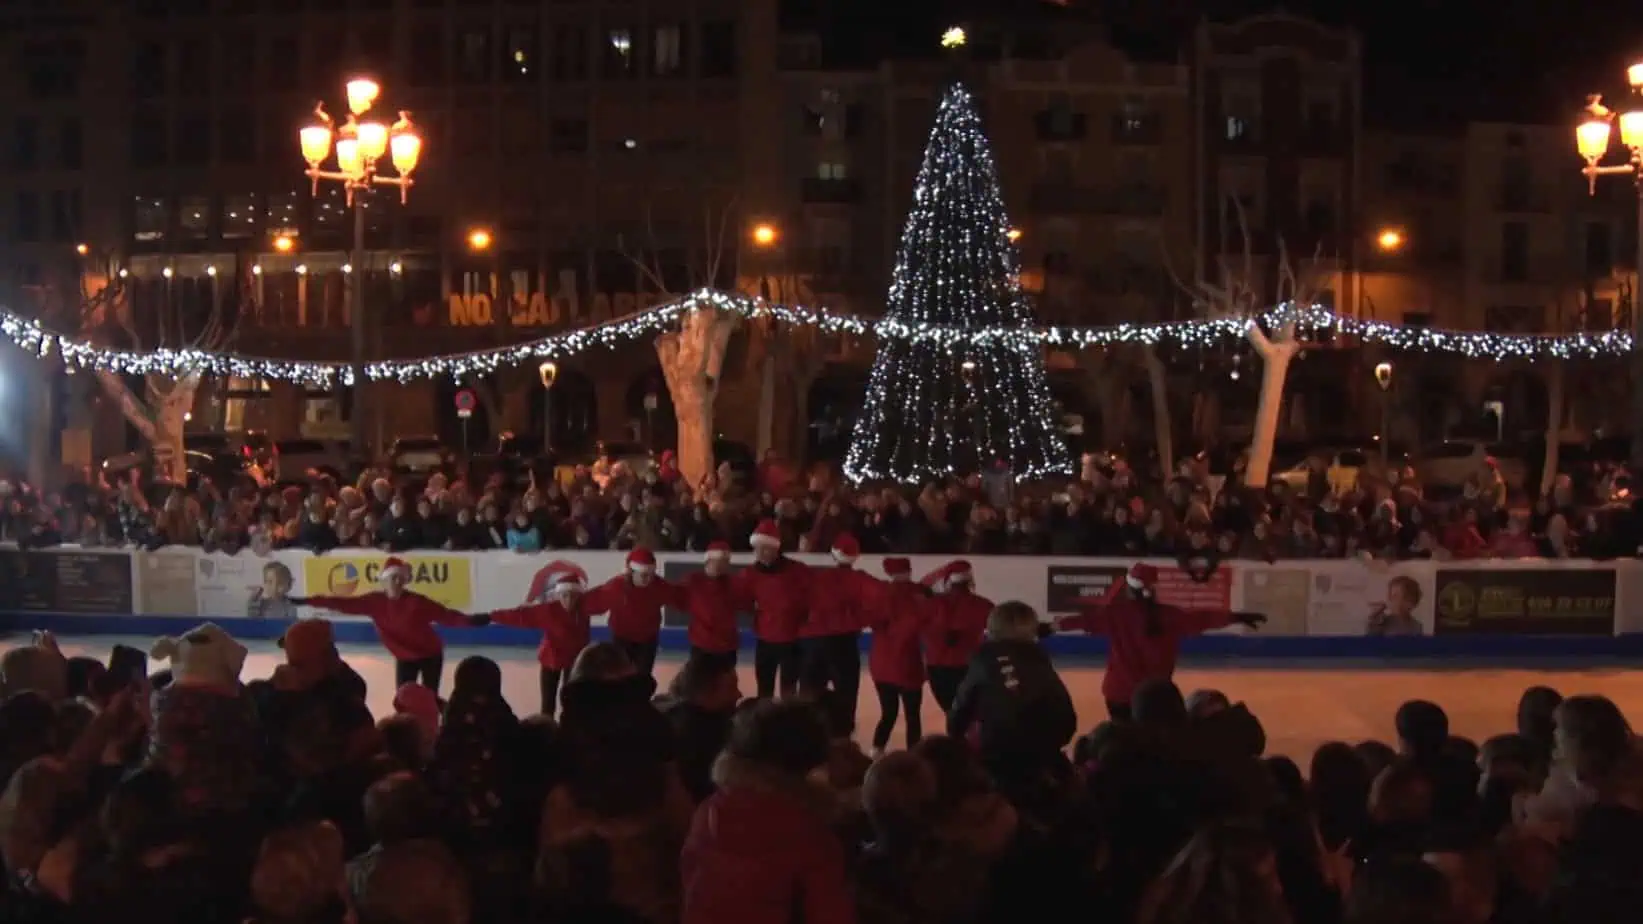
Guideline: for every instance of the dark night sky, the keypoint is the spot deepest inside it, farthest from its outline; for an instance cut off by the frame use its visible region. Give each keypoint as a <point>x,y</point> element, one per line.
<point>1429,62</point>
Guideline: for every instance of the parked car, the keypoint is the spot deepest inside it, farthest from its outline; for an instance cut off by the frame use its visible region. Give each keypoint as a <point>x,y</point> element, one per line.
<point>419,455</point>
<point>295,458</point>
<point>223,469</point>
<point>1451,463</point>
<point>253,445</point>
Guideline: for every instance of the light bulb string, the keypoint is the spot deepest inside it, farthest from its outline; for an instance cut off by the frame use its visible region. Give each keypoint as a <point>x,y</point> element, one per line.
<point>29,335</point>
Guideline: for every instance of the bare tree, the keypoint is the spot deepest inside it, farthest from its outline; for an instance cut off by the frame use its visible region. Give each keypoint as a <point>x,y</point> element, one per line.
<point>692,357</point>
<point>158,409</point>
<point>1240,291</point>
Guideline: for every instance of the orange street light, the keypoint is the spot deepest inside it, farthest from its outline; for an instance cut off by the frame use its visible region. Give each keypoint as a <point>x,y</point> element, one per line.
<point>284,243</point>
<point>1014,234</point>
<point>765,234</point>
<point>479,239</point>
<point>81,249</point>
<point>1389,240</point>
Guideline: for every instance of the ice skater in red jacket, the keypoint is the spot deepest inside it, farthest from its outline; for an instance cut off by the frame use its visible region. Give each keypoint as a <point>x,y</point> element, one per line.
<point>830,638</point>
<point>955,628</point>
<point>405,622</point>
<point>635,600</point>
<point>777,588</point>
<point>897,618</point>
<point>710,599</point>
<point>562,608</point>
<point>1143,636</point>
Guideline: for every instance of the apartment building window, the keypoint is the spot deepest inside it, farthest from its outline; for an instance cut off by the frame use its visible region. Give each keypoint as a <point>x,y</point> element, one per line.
<point>236,138</point>
<point>568,136</point>
<point>193,147</point>
<point>53,69</point>
<point>473,55</point>
<point>619,52</point>
<point>26,217</point>
<point>427,57</point>
<point>239,215</point>
<point>570,53</point>
<point>25,143</point>
<point>1514,251</point>
<point>280,211</point>
<point>520,64</point>
<point>1516,183</point>
<point>150,143</point>
<point>65,215</point>
<point>1599,248</point>
<point>194,68</point>
<point>148,70</point>
<point>194,217</point>
<point>70,145</point>
<point>719,50</point>
<point>1320,214</point>
<point>1136,122</point>
<point>667,50</point>
<point>1058,121</point>
<point>831,171</point>
<point>1241,113</point>
<point>149,218</point>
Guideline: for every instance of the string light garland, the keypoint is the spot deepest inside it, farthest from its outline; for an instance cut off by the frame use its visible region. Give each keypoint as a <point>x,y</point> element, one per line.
<point>933,407</point>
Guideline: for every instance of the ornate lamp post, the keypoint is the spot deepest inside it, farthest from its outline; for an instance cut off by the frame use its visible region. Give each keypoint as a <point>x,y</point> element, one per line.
<point>360,145</point>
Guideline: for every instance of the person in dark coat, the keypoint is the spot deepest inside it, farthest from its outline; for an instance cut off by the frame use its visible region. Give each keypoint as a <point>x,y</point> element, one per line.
<point>700,708</point>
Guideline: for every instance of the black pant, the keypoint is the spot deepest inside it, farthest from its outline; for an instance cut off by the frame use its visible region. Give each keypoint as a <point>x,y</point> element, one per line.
<point>832,670</point>
<point>642,654</point>
<point>549,682</point>
<point>944,683</point>
<point>1120,712</point>
<point>772,658</point>
<point>426,670</point>
<point>724,658</point>
<point>891,698</point>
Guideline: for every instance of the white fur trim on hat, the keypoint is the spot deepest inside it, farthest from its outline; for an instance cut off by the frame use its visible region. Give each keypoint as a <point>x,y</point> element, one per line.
<point>842,558</point>
<point>759,539</point>
<point>642,569</point>
<point>1135,582</point>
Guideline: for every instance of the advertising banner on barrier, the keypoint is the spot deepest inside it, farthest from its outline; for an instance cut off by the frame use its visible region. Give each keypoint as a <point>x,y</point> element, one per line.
<point>1064,584</point>
<point>1526,601</point>
<point>1346,598</point>
<point>65,582</point>
<point>165,582</point>
<point>446,578</point>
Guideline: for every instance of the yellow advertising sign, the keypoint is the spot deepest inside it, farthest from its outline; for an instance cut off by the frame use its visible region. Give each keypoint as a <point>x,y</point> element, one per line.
<point>446,578</point>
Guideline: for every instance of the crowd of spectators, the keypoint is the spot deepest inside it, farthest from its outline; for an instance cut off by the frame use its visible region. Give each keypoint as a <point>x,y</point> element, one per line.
<point>194,797</point>
<point>1110,510</point>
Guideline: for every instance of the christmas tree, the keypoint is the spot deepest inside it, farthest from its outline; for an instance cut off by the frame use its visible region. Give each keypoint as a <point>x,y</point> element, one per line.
<point>935,407</point>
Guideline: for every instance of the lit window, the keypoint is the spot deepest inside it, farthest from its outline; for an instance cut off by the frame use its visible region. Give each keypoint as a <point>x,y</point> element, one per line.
<point>194,216</point>
<point>149,218</point>
<point>1236,128</point>
<point>620,54</point>
<point>239,215</point>
<point>668,50</point>
<point>831,171</point>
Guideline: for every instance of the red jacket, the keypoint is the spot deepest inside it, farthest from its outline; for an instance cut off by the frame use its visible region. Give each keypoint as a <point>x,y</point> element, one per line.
<point>565,632</point>
<point>1133,656</point>
<point>761,851</point>
<point>838,601</point>
<point>955,627</point>
<point>405,624</point>
<point>898,615</point>
<point>779,597</point>
<point>636,612</point>
<point>711,602</point>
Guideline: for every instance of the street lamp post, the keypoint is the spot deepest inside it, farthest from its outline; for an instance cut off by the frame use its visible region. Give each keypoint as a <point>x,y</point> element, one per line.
<point>1383,378</point>
<point>1592,139</point>
<point>549,373</point>
<point>765,237</point>
<point>359,147</point>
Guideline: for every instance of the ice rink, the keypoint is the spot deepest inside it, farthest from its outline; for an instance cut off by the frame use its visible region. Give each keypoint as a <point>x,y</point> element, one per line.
<point>1300,706</point>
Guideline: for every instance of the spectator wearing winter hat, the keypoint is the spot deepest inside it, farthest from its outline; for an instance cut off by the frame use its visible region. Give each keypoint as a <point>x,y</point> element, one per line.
<point>206,734</point>
<point>779,589</point>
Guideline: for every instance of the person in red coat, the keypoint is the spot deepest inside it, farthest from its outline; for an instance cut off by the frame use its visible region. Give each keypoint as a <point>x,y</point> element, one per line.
<point>636,600</point>
<point>897,618</point>
<point>777,588</point>
<point>404,620</point>
<point>710,599</point>
<point>1143,636</point>
<point>955,629</point>
<point>564,613</point>
<point>831,635</point>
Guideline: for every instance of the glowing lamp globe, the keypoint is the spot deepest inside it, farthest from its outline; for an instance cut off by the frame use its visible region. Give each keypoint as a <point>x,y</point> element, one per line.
<point>373,140</point>
<point>316,144</point>
<point>406,149</point>
<point>349,159</point>
<point>362,94</point>
<point>1631,129</point>
<point>1592,138</point>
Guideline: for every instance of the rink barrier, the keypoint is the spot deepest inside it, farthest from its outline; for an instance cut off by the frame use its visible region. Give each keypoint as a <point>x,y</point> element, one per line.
<point>1315,608</point>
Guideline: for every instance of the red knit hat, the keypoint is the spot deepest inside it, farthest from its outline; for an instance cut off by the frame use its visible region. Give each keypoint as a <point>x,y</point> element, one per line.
<point>766,533</point>
<point>641,561</point>
<point>898,567</point>
<point>846,549</point>
<point>717,549</point>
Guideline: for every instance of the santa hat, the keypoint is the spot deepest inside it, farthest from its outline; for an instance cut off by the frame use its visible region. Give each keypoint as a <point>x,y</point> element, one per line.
<point>898,567</point>
<point>846,549</point>
<point>766,533</point>
<point>310,644</point>
<point>545,581</point>
<point>563,583</point>
<point>1142,577</point>
<point>959,572</point>
<point>393,566</point>
<point>717,549</point>
<point>421,704</point>
<point>206,656</point>
<point>641,561</point>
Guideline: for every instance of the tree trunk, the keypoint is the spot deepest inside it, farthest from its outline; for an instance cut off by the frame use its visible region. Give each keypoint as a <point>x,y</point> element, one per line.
<point>1554,425</point>
<point>692,359</point>
<point>42,412</point>
<point>1163,432</point>
<point>160,420</point>
<point>1275,359</point>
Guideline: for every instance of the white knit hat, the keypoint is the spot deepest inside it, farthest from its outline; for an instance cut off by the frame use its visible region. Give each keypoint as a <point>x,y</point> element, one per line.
<point>206,656</point>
